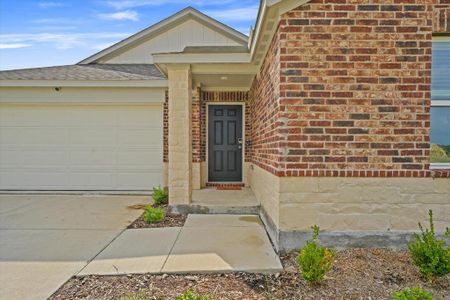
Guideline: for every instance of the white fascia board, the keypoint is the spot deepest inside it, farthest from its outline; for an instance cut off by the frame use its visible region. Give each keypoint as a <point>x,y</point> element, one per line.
<point>269,9</point>
<point>84,83</point>
<point>200,58</point>
<point>224,69</point>
<point>225,89</point>
<point>438,166</point>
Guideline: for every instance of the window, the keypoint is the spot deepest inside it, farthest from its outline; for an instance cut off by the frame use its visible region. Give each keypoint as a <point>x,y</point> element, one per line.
<point>440,103</point>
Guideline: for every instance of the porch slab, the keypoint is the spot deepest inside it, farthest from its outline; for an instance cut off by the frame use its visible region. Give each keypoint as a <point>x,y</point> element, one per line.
<point>135,251</point>
<point>213,201</point>
<point>223,221</point>
<point>211,243</point>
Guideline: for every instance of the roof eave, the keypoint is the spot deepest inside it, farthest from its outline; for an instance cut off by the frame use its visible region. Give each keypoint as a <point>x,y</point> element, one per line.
<point>267,21</point>
<point>163,83</point>
<point>201,58</point>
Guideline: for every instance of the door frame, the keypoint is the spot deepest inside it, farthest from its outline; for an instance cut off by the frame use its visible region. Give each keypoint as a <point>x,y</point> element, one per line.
<point>243,139</point>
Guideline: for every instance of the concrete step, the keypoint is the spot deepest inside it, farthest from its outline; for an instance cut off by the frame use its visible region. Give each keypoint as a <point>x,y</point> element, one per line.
<point>213,201</point>
<point>207,208</point>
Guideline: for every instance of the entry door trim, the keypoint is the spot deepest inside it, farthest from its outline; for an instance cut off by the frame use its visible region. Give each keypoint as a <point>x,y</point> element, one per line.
<point>243,139</point>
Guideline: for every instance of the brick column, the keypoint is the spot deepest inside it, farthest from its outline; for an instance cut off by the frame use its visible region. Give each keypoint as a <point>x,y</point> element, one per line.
<point>180,138</point>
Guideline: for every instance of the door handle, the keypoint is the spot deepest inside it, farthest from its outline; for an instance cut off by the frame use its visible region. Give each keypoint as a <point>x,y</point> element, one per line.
<point>240,141</point>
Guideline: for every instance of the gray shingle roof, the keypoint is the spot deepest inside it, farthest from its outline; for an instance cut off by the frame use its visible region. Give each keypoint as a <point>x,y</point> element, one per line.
<point>87,72</point>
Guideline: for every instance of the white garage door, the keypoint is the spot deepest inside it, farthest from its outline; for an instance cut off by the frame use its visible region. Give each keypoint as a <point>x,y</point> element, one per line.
<point>80,147</point>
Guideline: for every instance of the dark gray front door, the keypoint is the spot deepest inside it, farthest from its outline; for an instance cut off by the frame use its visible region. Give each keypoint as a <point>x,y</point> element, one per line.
<point>225,143</point>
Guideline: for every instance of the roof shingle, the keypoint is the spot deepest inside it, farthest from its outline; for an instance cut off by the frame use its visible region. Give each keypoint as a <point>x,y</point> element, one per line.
<point>87,72</point>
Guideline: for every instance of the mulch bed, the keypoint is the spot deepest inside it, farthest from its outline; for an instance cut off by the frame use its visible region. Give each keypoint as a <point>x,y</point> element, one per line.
<point>357,274</point>
<point>171,220</point>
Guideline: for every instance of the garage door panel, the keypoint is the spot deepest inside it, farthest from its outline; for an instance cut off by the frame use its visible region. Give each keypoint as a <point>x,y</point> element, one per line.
<point>39,179</point>
<point>87,180</point>
<point>92,116</point>
<point>33,115</point>
<point>92,137</point>
<point>38,158</point>
<point>140,137</point>
<point>21,136</point>
<point>95,157</point>
<point>70,147</point>
<point>136,180</point>
<point>137,158</point>
<point>140,119</point>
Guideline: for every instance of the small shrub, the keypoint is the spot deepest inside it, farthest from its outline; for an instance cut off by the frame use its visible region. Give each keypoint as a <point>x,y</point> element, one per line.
<point>315,260</point>
<point>412,294</point>
<point>160,195</point>
<point>137,296</point>
<point>154,214</point>
<point>429,253</point>
<point>189,295</point>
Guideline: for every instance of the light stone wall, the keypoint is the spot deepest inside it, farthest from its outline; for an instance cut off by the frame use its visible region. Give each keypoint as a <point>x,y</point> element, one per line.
<point>266,186</point>
<point>165,174</point>
<point>351,211</point>
<point>363,204</point>
<point>196,176</point>
<point>180,137</point>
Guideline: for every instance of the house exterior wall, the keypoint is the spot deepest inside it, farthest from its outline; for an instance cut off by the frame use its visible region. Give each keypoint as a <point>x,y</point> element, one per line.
<point>200,100</point>
<point>188,33</point>
<point>347,145</point>
<point>363,84</point>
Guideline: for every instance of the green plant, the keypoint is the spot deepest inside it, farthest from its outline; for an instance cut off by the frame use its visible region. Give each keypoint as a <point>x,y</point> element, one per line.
<point>137,296</point>
<point>412,294</point>
<point>315,260</point>
<point>189,295</point>
<point>153,214</point>
<point>429,253</point>
<point>160,195</point>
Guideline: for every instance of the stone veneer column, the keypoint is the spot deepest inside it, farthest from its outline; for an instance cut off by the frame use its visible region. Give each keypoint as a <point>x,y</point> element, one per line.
<point>180,138</point>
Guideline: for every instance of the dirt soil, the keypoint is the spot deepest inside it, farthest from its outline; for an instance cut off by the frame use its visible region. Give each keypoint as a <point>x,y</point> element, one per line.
<point>357,274</point>
<point>171,220</point>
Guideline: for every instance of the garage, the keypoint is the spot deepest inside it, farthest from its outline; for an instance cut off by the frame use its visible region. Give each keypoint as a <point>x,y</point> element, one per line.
<point>80,147</point>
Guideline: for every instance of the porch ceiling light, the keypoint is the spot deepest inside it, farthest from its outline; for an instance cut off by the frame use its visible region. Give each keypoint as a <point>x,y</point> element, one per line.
<point>224,77</point>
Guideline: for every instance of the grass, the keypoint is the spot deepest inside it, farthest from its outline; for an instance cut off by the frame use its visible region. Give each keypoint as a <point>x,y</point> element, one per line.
<point>440,153</point>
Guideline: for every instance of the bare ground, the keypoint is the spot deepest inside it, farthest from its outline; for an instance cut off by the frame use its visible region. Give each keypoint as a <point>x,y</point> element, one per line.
<point>357,274</point>
<point>171,220</point>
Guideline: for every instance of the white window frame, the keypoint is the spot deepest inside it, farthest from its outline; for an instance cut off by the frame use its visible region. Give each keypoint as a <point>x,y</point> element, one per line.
<point>440,103</point>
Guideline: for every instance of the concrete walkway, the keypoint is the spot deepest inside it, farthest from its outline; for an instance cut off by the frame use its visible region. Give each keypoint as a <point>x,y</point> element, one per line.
<point>207,243</point>
<point>46,239</point>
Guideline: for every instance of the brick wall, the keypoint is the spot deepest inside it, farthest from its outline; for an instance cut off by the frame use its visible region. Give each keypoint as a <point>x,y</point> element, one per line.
<point>441,21</point>
<point>199,101</point>
<point>196,126</point>
<point>166,128</point>
<point>354,90</point>
<point>265,108</point>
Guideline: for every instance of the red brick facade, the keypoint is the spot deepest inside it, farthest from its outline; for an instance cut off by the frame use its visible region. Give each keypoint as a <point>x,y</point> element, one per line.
<point>166,128</point>
<point>354,91</point>
<point>344,90</point>
<point>199,106</point>
<point>441,18</point>
<point>265,112</point>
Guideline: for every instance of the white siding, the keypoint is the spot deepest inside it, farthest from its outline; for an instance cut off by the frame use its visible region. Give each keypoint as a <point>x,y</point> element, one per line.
<point>189,33</point>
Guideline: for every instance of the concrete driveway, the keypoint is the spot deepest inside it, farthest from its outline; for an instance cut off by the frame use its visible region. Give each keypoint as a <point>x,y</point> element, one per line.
<point>46,239</point>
